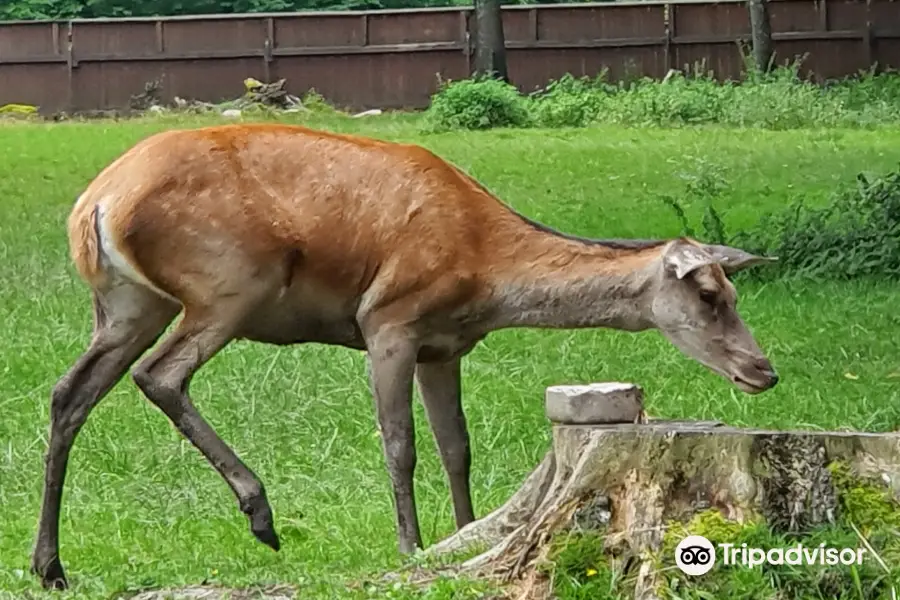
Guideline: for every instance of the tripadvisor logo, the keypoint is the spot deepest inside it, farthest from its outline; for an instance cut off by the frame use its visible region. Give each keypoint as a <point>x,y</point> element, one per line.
<point>696,555</point>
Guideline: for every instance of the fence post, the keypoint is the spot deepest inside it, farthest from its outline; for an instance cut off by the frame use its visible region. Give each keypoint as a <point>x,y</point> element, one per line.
<point>533,24</point>
<point>465,38</point>
<point>669,21</point>
<point>868,42</point>
<point>267,49</point>
<point>823,14</point>
<point>54,31</point>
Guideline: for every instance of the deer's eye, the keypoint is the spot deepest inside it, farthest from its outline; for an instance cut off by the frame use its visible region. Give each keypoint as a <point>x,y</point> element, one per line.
<point>708,296</point>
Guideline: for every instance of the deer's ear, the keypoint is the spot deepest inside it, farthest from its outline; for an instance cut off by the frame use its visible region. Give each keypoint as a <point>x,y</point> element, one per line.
<point>735,259</point>
<point>683,258</point>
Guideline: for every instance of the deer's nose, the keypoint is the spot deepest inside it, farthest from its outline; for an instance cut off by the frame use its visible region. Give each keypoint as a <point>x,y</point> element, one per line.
<point>766,367</point>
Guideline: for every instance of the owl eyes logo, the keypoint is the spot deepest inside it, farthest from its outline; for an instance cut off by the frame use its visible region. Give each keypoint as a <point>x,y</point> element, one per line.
<point>695,555</point>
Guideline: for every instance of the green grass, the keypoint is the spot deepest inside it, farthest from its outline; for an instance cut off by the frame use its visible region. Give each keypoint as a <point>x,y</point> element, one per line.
<point>142,508</point>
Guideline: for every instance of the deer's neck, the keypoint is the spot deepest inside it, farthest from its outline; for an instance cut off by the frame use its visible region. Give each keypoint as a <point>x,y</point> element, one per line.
<point>557,281</point>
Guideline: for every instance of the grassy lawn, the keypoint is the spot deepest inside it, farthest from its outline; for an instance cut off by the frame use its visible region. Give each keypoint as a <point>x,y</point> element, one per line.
<point>142,507</point>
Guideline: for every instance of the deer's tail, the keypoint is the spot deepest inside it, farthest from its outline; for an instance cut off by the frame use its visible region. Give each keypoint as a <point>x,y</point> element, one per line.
<point>84,241</point>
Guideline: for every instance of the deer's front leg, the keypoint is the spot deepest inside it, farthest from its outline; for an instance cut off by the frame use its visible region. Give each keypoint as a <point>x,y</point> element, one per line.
<point>440,386</point>
<point>392,361</point>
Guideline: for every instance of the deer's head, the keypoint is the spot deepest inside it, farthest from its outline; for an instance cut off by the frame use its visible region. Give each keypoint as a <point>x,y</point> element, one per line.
<point>694,306</point>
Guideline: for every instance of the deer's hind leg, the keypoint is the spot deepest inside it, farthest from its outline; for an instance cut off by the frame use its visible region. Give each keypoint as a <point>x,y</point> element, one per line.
<point>128,319</point>
<point>164,377</point>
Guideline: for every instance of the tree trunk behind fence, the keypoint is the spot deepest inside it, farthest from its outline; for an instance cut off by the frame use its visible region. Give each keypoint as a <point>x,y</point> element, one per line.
<point>761,29</point>
<point>490,44</point>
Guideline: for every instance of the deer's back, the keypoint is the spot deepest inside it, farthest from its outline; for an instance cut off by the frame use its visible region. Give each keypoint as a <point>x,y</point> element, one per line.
<point>210,211</point>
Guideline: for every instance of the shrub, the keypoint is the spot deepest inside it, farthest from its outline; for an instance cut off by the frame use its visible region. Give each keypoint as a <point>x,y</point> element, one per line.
<point>570,102</point>
<point>678,100</point>
<point>779,99</point>
<point>856,235</point>
<point>480,103</point>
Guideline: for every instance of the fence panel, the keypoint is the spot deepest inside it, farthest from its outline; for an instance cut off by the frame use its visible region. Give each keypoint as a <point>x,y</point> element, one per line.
<point>394,58</point>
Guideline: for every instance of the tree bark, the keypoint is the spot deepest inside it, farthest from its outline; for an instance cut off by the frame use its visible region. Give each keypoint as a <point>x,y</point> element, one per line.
<point>490,43</point>
<point>631,480</point>
<point>761,32</point>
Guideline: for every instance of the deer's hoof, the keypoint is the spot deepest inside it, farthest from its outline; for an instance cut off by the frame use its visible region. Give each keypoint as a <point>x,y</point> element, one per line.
<point>51,573</point>
<point>267,536</point>
<point>262,527</point>
<point>259,512</point>
<point>262,523</point>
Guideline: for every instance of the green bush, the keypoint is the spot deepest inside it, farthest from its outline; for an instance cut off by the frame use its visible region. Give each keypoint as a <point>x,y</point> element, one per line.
<point>480,103</point>
<point>780,99</point>
<point>679,100</point>
<point>569,102</point>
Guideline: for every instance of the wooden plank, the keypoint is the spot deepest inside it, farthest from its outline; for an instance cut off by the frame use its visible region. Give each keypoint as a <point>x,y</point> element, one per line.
<point>607,43</point>
<point>248,53</point>
<point>193,55</point>
<point>783,36</point>
<point>41,59</point>
<point>374,49</point>
<point>160,38</point>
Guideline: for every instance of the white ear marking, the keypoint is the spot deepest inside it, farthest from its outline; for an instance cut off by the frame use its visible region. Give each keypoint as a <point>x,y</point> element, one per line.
<point>685,258</point>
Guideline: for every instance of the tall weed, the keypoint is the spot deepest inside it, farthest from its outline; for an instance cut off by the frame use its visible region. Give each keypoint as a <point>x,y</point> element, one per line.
<point>857,234</point>
<point>570,102</point>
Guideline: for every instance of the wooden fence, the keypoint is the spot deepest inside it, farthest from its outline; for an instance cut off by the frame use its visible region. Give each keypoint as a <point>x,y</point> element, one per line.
<point>392,59</point>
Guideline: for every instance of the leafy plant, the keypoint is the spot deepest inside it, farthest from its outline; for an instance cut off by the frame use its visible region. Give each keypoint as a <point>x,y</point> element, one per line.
<point>478,103</point>
<point>780,99</point>
<point>570,101</point>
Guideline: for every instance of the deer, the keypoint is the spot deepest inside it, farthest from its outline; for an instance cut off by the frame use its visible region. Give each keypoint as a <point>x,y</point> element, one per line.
<point>282,234</point>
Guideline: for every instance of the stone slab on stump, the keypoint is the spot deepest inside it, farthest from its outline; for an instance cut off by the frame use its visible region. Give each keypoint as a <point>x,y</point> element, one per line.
<point>594,403</point>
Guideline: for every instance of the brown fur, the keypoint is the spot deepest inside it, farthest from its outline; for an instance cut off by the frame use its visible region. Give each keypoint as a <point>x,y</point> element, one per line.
<point>283,234</point>
<point>186,207</point>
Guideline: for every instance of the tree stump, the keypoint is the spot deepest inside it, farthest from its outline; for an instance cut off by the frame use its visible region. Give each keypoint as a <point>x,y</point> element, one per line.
<point>633,478</point>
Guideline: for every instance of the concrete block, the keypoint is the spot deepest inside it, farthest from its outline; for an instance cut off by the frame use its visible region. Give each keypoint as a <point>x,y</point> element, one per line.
<point>594,403</point>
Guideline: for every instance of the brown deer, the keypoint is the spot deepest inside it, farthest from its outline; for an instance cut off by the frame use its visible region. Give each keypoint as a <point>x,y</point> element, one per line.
<point>285,235</point>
